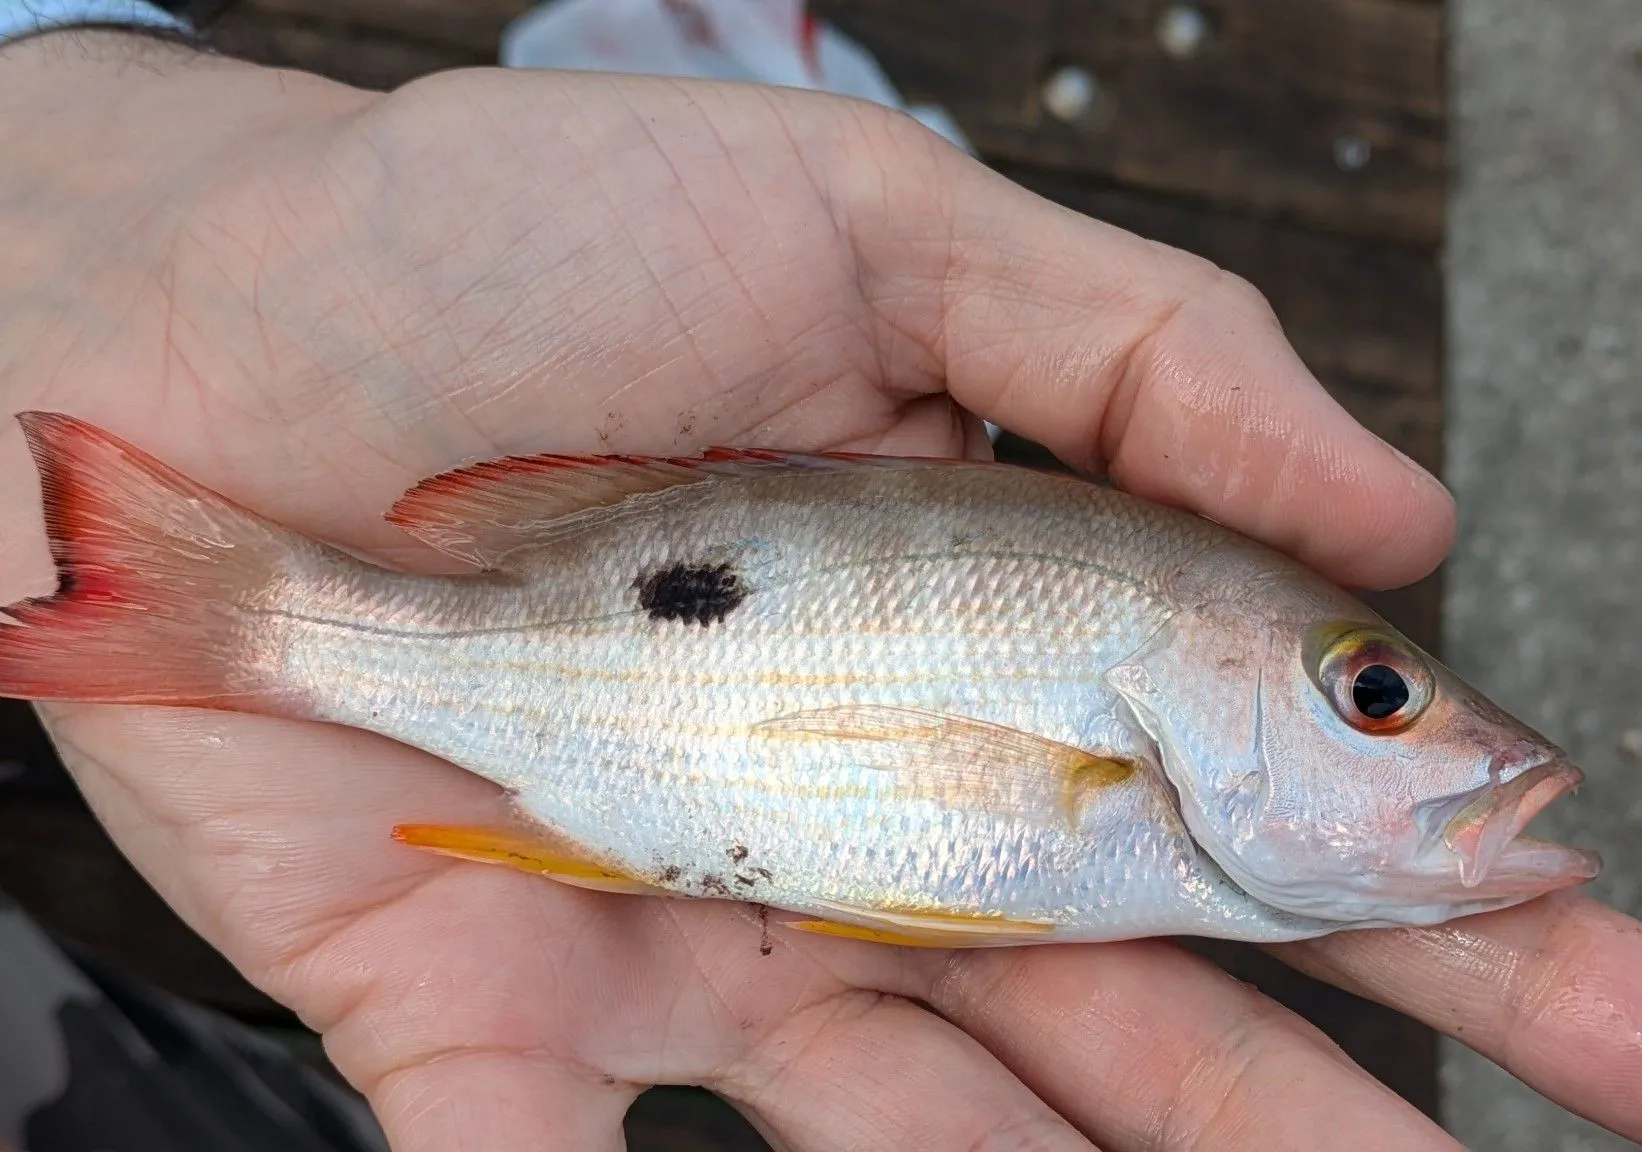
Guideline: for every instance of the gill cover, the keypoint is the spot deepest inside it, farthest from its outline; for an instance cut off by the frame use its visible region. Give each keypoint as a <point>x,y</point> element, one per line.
<point>1195,689</point>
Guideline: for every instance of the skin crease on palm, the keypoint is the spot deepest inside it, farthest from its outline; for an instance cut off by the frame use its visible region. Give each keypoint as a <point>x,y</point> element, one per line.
<point>310,297</point>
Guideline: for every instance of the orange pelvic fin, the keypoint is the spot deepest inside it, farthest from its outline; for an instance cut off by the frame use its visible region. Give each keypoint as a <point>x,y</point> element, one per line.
<point>538,853</point>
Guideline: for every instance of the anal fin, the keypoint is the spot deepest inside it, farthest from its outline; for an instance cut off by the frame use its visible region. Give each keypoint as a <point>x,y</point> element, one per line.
<point>537,853</point>
<point>926,928</point>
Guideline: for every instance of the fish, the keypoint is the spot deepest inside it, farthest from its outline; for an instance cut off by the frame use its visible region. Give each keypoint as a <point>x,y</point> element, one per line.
<point>912,701</point>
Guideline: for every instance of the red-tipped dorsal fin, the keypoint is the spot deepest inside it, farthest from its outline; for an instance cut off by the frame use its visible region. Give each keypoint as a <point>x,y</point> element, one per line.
<point>154,572</point>
<point>483,512</point>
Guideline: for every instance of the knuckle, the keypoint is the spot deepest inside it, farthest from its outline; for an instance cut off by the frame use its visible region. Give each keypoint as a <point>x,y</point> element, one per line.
<point>1240,294</point>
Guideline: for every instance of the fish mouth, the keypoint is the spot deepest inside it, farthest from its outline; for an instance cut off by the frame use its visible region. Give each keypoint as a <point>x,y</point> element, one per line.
<point>1486,833</point>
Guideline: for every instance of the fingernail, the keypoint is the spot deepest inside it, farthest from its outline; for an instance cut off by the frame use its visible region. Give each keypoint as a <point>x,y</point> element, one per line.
<point>1419,470</point>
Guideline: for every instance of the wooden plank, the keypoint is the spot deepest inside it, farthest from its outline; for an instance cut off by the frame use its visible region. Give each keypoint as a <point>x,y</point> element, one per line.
<point>471,25</point>
<point>1252,118</point>
<point>1255,117</point>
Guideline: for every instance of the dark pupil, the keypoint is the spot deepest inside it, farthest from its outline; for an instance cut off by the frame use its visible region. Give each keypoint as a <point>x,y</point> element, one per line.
<point>1379,692</point>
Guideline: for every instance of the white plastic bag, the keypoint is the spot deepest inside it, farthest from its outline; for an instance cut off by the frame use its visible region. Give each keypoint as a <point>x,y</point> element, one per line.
<point>763,41</point>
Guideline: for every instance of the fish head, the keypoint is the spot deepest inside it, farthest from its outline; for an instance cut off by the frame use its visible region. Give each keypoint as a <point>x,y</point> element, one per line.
<point>1329,766</point>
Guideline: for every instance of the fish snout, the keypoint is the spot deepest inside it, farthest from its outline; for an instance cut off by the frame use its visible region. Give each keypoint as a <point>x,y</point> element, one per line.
<point>1486,833</point>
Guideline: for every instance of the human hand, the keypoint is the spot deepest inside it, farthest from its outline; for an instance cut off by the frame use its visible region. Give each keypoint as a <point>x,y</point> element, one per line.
<point>309,298</point>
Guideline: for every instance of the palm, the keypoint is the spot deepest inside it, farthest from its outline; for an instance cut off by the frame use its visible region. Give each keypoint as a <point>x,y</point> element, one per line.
<point>489,265</point>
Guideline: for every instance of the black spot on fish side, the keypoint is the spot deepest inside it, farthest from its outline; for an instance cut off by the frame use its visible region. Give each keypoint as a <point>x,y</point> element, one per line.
<point>705,593</point>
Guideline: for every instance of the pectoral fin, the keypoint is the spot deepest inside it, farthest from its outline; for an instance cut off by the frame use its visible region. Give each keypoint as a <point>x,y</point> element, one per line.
<point>537,853</point>
<point>961,762</point>
<point>927,929</point>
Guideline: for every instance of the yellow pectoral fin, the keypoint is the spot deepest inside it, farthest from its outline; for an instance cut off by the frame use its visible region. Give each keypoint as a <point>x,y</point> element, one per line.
<point>539,854</point>
<point>958,761</point>
<point>928,929</point>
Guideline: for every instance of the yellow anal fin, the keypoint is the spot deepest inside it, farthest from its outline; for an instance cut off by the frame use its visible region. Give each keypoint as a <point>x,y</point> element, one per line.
<point>873,935</point>
<point>927,929</point>
<point>539,854</point>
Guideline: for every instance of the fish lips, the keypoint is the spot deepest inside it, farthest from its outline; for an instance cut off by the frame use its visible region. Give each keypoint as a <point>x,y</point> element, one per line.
<point>1482,829</point>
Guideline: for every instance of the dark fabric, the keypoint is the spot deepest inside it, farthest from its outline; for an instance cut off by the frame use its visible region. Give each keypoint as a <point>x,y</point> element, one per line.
<point>197,12</point>
<point>93,1062</point>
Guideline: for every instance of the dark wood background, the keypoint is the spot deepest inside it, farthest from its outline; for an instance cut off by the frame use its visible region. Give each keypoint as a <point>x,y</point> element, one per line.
<point>1300,145</point>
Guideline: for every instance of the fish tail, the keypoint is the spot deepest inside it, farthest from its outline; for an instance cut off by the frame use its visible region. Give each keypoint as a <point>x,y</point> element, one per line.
<point>158,578</point>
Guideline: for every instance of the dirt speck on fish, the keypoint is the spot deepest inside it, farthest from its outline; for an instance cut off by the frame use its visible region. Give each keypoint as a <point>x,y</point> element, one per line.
<point>919,702</point>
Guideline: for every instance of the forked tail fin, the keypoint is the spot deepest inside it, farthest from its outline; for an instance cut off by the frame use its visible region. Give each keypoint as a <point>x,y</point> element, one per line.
<point>158,579</point>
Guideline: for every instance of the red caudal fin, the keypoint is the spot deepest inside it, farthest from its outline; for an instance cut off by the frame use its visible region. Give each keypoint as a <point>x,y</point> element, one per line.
<point>155,578</point>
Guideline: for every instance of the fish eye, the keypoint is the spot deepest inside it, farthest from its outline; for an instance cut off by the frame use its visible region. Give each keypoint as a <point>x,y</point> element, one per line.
<point>1379,691</point>
<point>1375,681</point>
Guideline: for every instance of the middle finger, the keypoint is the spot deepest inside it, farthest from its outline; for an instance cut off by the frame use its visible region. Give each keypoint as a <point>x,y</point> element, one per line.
<point>865,1071</point>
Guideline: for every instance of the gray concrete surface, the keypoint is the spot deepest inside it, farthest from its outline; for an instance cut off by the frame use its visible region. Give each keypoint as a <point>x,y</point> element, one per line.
<point>1545,438</point>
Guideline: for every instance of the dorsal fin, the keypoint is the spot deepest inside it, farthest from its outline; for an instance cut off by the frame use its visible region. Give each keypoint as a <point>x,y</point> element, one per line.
<point>483,512</point>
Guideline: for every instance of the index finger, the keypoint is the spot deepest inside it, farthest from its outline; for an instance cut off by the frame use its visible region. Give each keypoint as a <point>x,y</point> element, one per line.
<point>1550,990</point>
<point>1125,356</point>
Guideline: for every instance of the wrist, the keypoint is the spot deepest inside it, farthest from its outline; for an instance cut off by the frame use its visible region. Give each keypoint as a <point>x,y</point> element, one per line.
<point>71,80</point>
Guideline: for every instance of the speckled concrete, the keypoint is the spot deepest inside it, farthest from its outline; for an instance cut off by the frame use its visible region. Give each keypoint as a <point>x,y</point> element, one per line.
<point>1545,438</point>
